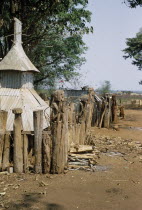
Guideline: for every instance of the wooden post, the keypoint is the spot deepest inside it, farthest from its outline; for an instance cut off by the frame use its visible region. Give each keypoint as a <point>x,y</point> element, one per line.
<point>77,133</point>
<point>59,133</point>
<point>82,133</point>
<point>107,118</point>
<point>3,120</point>
<point>57,158</point>
<point>6,152</point>
<point>66,136</point>
<point>25,152</point>
<point>46,146</point>
<point>114,110</point>
<point>107,115</point>
<point>99,113</point>
<point>18,142</point>
<point>38,128</point>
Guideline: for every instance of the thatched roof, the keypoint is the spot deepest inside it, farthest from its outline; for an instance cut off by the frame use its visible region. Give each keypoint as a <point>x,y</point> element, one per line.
<point>16,59</point>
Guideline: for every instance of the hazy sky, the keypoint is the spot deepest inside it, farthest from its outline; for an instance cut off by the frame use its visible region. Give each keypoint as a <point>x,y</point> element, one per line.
<point>113,22</point>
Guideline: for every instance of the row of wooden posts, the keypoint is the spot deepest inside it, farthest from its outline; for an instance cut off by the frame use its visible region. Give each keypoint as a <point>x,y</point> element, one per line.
<point>14,145</point>
<point>48,149</point>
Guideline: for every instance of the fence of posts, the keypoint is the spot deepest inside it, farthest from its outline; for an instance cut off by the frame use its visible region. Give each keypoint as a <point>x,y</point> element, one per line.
<point>70,123</point>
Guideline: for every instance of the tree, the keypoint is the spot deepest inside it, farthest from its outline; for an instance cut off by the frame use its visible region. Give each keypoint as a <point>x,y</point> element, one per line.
<point>133,3</point>
<point>134,50</point>
<point>52,34</point>
<point>104,88</point>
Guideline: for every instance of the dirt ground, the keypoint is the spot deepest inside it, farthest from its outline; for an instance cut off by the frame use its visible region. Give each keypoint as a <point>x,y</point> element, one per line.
<point>115,184</point>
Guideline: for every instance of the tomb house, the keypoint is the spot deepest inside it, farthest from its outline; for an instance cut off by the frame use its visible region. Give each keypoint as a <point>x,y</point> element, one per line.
<point>16,85</point>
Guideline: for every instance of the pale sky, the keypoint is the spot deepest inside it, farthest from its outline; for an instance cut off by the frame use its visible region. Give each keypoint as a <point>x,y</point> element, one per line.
<point>113,22</point>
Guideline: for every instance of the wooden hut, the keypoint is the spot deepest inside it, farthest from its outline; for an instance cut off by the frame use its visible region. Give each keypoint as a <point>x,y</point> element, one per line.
<point>16,85</point>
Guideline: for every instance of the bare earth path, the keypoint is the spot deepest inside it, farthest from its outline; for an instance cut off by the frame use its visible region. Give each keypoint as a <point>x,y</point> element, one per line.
<point>118,186</point>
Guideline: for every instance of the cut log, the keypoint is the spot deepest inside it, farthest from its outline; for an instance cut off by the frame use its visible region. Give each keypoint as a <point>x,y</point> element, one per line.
<point>71,166</point>
<point>83,156</point>
<point>78,163</point>
<point>81,149</point>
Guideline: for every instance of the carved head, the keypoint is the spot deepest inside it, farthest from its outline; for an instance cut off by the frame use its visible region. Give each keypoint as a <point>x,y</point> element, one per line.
<point>58,95</point>
<point>84,98</point>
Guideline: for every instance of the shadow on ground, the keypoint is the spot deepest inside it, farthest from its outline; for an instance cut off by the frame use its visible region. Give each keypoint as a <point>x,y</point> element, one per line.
<point>33,201</point>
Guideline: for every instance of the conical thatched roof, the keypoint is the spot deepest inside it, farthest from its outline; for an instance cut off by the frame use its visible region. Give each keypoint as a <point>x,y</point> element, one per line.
<point>16,59</point>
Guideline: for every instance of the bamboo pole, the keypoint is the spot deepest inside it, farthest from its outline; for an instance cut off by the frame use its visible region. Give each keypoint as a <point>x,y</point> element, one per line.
<point>18,142</point>
<point>38,128</point>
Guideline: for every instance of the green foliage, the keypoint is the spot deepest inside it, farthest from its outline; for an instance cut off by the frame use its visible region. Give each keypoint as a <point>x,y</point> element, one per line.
<point>52,34</point>
<point>104,88</point>
<point>134,50</point>
<point>133,3</point>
